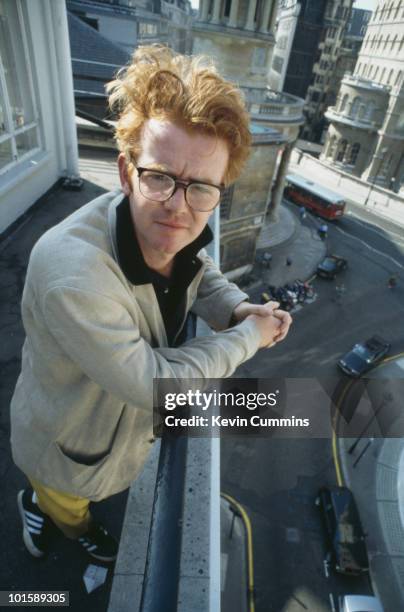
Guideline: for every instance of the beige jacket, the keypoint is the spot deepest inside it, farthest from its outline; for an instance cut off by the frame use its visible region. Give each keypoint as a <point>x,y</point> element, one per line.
<point>81,413</point>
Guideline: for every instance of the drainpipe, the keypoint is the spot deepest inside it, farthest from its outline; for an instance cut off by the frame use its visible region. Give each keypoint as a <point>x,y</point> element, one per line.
<point>64,72</point>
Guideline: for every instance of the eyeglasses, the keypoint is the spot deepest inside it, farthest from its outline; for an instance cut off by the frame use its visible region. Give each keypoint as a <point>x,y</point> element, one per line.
<point>159,186</point>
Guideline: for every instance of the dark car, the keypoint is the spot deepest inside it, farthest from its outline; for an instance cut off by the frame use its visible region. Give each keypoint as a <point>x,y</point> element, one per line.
<point>363,356</point>
<point>344,530</point>
<point>331,266</point>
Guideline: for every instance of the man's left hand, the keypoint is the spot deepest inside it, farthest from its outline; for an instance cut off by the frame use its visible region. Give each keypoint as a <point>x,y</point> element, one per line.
<point>270,308</point>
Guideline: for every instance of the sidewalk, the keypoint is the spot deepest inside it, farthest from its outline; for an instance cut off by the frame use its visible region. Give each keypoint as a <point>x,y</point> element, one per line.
<point>377,481</point>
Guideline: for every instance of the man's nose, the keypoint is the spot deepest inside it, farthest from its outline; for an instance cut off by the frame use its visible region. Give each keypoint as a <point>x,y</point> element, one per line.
<point>177,201</point>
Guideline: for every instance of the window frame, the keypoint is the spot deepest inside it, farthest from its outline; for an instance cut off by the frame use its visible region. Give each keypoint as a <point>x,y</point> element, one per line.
<point>12,133</point>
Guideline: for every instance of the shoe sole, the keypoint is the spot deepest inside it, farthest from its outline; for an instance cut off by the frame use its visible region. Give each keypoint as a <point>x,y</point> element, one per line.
<point>32,549</point>
<point>105,559</point>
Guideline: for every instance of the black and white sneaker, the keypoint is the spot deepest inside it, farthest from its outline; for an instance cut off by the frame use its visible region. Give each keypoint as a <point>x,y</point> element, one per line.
<point>98,543</point>
<point>35,523</point>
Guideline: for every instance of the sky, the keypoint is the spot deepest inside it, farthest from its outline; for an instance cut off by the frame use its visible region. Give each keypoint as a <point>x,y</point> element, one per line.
<point>364,4</point>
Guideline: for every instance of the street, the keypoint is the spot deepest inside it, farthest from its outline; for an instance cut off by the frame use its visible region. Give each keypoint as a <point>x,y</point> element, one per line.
<point>277,480</point>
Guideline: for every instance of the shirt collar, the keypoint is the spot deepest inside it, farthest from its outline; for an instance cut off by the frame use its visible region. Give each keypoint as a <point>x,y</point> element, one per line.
<point>130,255</point>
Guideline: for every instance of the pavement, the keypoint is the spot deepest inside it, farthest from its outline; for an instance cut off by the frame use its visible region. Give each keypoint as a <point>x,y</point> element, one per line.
<point>288,237</point>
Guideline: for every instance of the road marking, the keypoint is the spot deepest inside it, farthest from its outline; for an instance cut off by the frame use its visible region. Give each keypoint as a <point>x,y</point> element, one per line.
<point>332,603</point>
<point>360,221</point>
<point>397,263</point>
<point>326,572</point>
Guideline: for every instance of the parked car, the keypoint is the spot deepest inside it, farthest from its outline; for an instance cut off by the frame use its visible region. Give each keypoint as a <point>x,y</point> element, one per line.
<point>344,530</point>
<point>364,356</point>
<point>331,266</point>
<point>359,603</point>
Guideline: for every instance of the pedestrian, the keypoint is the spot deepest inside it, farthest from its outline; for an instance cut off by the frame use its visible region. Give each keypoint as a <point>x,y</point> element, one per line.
<point>392,282</point>
<point>108,292</point>
<point>302,213</point>
<point>340,291</point>
<point>289,261</point>
<point>323,231</point>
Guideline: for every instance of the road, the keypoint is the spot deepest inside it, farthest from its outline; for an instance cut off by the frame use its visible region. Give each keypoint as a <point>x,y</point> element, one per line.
<point>277,480</point>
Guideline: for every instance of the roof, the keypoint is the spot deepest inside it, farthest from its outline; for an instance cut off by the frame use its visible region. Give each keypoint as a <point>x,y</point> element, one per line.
<point>322,192</point>
<point>95,59</point>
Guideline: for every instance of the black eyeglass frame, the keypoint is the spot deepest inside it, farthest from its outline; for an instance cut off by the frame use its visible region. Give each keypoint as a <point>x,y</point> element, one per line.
<point>179,183</point>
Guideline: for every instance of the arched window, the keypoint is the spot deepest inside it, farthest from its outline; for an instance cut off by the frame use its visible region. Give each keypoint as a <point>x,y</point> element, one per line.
<point>354,153</point>
<point>389,80</point>
<point>355,106</point>
<point>376,72</point>
<point>361,112</point>
<point>368,113</point>
<point>331,146</point>
<point>382,75</point>
<point>342,150</point>
<point>398,78</point>
<point>343,103</point>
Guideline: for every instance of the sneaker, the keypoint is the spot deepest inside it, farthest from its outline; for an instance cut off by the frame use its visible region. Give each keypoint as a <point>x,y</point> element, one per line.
<point>35,523</point>
<point>98,543</point>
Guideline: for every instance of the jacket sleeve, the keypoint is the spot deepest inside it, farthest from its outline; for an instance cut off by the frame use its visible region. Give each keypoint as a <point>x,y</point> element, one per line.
<point>216,297</point>
<point>101,337</point>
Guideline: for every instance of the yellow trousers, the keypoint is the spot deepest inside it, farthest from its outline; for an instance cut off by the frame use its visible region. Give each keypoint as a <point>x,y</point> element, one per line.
<point>69,512</point>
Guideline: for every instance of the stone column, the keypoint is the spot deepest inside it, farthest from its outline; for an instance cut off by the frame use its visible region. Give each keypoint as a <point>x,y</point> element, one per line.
<point>203,10</point>
<point>265,16</point>
<point>250,25</point>
<point>277,191</point>
<point>271,28</point>
<point>217,5</point>
<point>233,14</point>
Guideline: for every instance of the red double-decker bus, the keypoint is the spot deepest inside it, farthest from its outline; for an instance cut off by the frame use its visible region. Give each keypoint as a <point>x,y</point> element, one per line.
<point>321,200</point>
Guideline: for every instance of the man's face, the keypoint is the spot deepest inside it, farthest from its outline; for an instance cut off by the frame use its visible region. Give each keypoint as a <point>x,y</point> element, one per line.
<point>164,228</point>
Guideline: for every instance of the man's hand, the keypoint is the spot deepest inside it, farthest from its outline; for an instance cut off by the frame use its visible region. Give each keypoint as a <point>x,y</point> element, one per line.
<point>271,331</point>
<point>245,308</point>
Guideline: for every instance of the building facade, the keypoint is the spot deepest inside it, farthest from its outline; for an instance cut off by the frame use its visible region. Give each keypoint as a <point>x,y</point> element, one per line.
<point>130,23</point>
<point>326,77</point>
<point>287,19</point>
<point>366,135</point>
<point>239,35</point>
<point>304,49</point>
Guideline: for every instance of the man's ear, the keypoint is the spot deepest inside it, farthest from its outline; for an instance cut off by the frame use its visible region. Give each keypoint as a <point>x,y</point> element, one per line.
<point>124,175</point>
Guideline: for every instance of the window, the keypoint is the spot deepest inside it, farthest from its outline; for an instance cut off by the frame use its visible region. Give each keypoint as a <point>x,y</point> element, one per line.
<point>355,106</point>
<point>389,80</point>
<point>354,154</point>
<point>398,78</point>
<point>382,75</point>
<point>368,112</point>
<point>19,130</point>
<point>332,146</point>
<point>376,72</point>
<point>343,103</point>
<point>342,150</point>
<point>226,202</point>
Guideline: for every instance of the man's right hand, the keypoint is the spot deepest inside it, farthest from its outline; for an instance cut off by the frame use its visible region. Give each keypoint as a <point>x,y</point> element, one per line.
<point>268,327</point>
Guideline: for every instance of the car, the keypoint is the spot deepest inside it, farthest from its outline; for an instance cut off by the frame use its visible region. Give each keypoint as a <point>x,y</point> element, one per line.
<point>331,266</point>
<point>359,603</point>
<point>364,356</point>
<point>346,538</point>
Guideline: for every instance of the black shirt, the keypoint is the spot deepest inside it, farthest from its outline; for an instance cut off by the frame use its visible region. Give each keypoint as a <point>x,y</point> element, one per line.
<point>170,292</point>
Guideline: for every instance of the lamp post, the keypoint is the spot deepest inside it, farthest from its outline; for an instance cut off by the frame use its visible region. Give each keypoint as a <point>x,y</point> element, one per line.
<point>383,153</point>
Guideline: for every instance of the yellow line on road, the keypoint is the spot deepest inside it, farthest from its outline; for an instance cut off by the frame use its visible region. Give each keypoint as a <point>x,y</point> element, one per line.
<point>247,525</point>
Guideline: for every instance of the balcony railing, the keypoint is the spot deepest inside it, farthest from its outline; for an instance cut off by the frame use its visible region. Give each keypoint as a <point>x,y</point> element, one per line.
<point>361,122</point>
<point>280,106</point>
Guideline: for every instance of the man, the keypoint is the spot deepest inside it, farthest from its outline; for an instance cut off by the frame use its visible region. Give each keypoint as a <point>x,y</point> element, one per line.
<point>108,292</point>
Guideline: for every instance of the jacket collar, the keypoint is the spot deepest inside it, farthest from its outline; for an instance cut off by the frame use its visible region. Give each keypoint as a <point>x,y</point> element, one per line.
<point>130,256</point>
